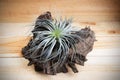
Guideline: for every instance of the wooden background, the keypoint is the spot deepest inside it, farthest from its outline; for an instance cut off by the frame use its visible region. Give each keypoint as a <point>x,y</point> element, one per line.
<point>103,16</point>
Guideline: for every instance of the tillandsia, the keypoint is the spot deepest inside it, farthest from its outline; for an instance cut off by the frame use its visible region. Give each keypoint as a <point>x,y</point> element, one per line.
<point>55,45</point>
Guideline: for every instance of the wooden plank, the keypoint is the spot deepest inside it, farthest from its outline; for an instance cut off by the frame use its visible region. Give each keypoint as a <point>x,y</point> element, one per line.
<point>24,29</point>
<point>83,75</point>
<point>96,68</point>
<point>81,10</point>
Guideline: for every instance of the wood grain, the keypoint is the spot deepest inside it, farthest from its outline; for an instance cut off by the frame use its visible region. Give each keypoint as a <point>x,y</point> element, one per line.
<point>97,68</point>
<point>17,18</point>
<point>81,10</point>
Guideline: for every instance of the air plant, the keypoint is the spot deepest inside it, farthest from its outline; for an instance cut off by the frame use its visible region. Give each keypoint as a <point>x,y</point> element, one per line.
<point>55,40</point>
<point>54,45</point>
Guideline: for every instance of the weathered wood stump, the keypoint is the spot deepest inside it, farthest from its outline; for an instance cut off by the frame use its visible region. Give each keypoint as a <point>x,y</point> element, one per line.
<point>83,48</point>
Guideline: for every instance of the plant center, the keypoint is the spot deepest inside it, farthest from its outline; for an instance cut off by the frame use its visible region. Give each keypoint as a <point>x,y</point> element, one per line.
<point>56,33</point>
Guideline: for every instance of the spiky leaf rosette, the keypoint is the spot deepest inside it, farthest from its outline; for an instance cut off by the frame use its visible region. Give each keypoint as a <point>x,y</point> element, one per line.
<point>55,40</point>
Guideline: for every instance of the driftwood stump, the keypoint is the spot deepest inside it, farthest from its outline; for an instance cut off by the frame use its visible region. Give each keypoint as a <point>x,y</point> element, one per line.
<point>83,48</point>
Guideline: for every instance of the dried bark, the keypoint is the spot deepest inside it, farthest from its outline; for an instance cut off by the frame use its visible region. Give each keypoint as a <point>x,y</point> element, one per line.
<point>83,48</point>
